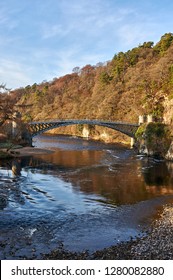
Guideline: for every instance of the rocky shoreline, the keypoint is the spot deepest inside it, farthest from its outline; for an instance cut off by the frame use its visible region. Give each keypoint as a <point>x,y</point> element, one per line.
<point>157,244</point>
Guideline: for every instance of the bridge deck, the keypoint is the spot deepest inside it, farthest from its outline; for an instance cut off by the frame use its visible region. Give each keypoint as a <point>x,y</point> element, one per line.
<point>83,121</point>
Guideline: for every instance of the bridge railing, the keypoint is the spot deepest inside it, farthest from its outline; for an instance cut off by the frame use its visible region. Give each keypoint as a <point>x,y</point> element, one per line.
<point>89,121</point>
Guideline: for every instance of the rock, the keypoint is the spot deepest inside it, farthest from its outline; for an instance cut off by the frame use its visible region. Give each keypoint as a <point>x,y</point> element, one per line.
<point>169,155</point>
<point>154,139</point>
<point>3,202</point>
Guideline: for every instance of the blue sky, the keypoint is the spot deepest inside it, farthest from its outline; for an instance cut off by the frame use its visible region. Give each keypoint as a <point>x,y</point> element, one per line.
<point>44,39</point>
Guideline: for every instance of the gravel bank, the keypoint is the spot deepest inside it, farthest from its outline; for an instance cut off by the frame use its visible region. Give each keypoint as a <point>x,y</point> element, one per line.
<point>156,245</point>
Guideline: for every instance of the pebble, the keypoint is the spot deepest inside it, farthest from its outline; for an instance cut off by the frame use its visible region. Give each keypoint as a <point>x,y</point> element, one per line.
<point>157,244</point>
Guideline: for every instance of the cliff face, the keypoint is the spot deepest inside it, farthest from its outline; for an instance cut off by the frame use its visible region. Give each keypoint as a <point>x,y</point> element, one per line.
<point>154,139</point>
<point>137,82</point>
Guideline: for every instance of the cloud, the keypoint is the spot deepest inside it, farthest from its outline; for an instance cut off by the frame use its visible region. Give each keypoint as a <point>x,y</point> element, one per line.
<point>87,24</point>
<point>127,37</point>
<point>12,73</point>
<point>7,20</point>
<point>78,36</point>
<point>48,65</point>
<point>66,60</point>
<point>136,31</point>
<point>49,31</point>
<point>44,39</point>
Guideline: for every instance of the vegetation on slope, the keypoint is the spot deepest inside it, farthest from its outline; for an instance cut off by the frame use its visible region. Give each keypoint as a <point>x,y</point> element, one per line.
<point>133,83</point>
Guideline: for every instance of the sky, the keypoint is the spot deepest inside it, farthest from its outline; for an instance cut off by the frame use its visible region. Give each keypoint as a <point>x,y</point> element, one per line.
<point>44,39</point>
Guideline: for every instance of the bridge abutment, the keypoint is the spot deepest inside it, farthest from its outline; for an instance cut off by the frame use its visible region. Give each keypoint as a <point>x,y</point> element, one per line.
<point>146,119</point>
<point>132,142</point>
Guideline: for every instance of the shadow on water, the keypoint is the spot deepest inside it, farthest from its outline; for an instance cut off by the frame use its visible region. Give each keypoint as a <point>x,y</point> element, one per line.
<point>92,193</point>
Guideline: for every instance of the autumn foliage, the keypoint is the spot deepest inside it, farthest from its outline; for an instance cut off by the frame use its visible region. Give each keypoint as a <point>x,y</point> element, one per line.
<point>132,83</point>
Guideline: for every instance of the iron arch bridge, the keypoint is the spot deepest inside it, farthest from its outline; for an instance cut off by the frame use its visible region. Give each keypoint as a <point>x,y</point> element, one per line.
<point>39,127</point>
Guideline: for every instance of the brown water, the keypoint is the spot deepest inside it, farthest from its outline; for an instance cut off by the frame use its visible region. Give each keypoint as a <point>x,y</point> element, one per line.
<point>85,196</point>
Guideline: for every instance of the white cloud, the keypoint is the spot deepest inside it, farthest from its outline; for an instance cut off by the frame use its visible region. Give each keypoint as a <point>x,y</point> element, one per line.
<point>48,31</point>
<point>44,39</point>
<point>66,60</point>
<point>129,34</point>
<point>13,74</point>
<point>7,21</point>
<point>137,27</point>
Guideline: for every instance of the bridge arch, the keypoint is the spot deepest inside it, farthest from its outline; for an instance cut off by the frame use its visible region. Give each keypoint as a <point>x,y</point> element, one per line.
<point>40,127</point>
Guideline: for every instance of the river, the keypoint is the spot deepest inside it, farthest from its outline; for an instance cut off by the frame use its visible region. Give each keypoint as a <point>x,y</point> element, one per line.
<point>86,195</point>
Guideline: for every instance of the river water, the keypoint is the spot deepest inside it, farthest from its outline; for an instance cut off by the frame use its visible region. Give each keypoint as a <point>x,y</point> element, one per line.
<point>86,195</point>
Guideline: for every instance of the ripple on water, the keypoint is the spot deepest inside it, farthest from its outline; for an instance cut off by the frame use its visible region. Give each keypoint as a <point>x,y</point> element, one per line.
<point>82,196</point>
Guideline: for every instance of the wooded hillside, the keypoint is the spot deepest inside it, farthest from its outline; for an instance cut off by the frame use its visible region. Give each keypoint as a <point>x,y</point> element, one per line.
<point>139,81</point>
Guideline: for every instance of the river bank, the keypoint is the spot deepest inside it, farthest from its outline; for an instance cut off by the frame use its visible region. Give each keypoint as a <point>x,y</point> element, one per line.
<point>157,244</point>
<point>19,151</point>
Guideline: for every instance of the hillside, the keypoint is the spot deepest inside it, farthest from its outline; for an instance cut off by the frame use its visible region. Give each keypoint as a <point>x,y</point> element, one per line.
<point>139,81</point>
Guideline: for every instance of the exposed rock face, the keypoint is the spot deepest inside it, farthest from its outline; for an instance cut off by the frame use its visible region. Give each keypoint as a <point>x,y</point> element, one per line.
<point>143,149</point>
<point>168,119</point>
<point>169,155</point>
<point>154,140</point>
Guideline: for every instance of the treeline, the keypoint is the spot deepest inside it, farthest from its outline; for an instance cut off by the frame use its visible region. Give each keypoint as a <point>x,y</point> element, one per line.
<point>132,83</point>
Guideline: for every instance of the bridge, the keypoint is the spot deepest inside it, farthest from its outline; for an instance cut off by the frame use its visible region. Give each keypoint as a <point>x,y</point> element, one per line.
<point>39,127</point>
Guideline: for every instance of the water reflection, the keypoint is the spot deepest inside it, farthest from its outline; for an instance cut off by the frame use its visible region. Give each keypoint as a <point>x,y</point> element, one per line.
<point>16,167</point>
<point>82,192</point>
<point>158,177</point>
<point>117,183</point>
<point>10,183</point>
